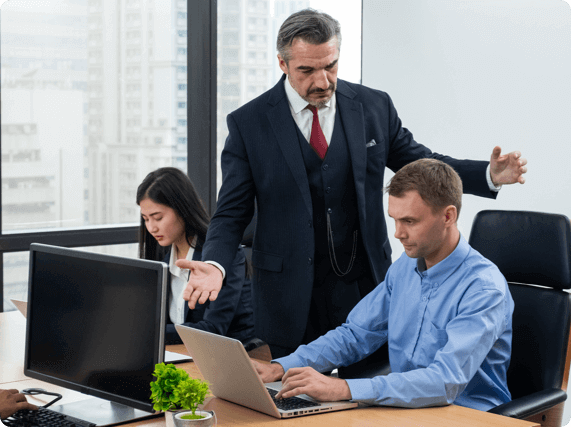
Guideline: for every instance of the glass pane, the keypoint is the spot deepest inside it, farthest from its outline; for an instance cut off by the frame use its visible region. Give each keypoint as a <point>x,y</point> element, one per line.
<point>247,56</point>
<point>93,98</point>
<point>16,265</point>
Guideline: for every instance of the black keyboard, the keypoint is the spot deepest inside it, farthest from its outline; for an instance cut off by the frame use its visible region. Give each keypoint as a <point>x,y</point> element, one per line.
<point>291,403</point>
<point>44,418</point>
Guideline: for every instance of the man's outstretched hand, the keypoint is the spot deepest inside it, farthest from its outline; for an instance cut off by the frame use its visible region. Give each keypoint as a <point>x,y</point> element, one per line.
<point>508,168</point>
<point>204,282</point>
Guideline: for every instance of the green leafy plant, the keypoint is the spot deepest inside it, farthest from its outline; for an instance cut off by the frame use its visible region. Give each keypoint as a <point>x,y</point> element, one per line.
<point>174,389</point>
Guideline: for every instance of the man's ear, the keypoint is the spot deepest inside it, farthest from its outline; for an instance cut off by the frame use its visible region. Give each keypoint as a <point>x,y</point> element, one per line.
<point>282,64</point>
<point>450,214</point>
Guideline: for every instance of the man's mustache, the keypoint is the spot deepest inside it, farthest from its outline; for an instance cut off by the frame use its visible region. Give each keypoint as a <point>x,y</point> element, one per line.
<point>319,90</point>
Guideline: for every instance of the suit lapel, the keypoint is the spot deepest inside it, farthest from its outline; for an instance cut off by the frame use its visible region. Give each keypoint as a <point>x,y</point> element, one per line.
<point>351,112</point>
<point>284,128</point>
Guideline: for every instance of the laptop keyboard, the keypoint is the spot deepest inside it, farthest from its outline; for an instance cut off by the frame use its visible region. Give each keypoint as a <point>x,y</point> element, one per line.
<point>44,417</point>
<point>291,403</point>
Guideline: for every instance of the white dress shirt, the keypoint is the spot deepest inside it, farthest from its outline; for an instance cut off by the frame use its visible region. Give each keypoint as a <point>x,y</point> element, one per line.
<point>304,117</point>
<point>179,279</point>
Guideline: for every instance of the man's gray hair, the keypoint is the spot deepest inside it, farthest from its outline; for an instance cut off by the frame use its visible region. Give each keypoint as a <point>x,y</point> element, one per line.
<point>309,25</point>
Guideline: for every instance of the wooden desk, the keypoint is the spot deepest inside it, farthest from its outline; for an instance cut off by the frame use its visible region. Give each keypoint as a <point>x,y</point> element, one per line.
<point>12,346</point>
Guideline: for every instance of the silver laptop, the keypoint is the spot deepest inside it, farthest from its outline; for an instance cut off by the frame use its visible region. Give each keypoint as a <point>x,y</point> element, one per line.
<point>225,364</point>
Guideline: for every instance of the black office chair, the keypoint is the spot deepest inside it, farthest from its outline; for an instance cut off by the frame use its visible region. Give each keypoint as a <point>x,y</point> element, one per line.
<point>533,249</point>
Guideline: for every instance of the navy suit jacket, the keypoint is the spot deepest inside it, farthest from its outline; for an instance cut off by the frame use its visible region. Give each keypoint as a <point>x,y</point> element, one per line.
<point>262,161</point>
<point>232,312</point>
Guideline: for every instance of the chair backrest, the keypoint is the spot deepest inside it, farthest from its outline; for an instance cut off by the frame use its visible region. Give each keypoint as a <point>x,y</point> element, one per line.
<point>532,248</point>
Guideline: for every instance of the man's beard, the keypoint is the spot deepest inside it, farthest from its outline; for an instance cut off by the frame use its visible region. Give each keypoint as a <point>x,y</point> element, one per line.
<point>318,104</point>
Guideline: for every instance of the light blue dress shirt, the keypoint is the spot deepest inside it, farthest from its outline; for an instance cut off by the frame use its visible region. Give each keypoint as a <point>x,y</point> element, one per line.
<point>449,330</point>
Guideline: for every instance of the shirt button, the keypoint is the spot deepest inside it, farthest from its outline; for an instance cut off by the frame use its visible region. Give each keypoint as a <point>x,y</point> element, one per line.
<point>309,223</point>
<point>325,167</point>
<point>309,261</point>
<point>424,298</point>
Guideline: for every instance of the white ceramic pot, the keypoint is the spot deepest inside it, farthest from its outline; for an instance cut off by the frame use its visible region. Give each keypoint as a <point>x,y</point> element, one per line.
<point>207,421</point>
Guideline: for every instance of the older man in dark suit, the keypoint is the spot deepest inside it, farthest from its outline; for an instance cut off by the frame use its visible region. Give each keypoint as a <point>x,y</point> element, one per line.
<point>312,152</point>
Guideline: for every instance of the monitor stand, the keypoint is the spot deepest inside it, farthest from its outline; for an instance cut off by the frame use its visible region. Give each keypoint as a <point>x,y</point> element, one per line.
<point>102,412</point>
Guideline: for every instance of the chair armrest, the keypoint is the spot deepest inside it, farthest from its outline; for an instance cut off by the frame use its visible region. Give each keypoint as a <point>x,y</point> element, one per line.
<point>532,404</point>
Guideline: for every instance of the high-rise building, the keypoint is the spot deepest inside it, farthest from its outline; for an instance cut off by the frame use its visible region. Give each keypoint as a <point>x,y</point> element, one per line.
<point>244,64</point>
<point>137,100</point>
<point>43,82</point>
<point>43,85</point>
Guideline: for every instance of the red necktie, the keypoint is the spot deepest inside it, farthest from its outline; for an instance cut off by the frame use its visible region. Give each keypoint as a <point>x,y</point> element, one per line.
<point>317,139</point>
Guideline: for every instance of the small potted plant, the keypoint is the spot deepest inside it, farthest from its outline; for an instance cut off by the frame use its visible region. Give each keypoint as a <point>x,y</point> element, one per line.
<point>178,395</point>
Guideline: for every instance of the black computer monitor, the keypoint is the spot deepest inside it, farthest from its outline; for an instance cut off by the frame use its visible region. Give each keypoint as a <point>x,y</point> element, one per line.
<point>95,324</point>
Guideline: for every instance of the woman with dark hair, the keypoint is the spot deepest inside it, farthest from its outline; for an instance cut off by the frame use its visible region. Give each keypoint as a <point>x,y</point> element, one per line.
<point>173,226</point>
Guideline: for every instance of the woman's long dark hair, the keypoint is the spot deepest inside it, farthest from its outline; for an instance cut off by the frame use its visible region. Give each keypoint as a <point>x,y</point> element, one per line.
<point>171,187</point>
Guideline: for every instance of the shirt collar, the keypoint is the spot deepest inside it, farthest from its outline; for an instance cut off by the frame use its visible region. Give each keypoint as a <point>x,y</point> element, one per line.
<point>440,272</point>
<point>296,102</point>
<point>173,268</point>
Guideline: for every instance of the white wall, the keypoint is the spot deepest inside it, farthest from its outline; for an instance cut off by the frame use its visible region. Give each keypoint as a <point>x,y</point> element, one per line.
<point>466,75</point>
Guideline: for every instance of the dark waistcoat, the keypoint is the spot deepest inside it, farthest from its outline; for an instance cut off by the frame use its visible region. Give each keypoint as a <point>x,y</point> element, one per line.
<point>334,199</point>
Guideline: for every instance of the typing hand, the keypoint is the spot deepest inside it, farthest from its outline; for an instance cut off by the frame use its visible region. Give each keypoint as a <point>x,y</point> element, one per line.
<point>309,381</point>
<point>204,283</point>
<point>507,169</point>
<point>268,372</point>
<point>12,401</point>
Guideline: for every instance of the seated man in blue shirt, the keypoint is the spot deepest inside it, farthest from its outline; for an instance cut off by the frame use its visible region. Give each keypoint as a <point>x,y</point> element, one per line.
<point>445,310</point>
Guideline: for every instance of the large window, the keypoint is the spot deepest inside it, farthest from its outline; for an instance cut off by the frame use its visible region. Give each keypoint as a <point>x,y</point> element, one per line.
<point>91,102</point>
<point>94,97</point>
<point>247,56</point>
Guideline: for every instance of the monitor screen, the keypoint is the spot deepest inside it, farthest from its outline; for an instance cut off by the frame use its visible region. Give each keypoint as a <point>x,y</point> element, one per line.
<point>95,323</point>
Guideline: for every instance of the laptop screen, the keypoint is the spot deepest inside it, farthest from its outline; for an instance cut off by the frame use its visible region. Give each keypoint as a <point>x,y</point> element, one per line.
<point>95,323</point>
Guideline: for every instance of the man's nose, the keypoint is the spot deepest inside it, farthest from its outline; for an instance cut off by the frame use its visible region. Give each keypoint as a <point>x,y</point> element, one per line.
<point>321,80</point>
<point>399,232</point>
